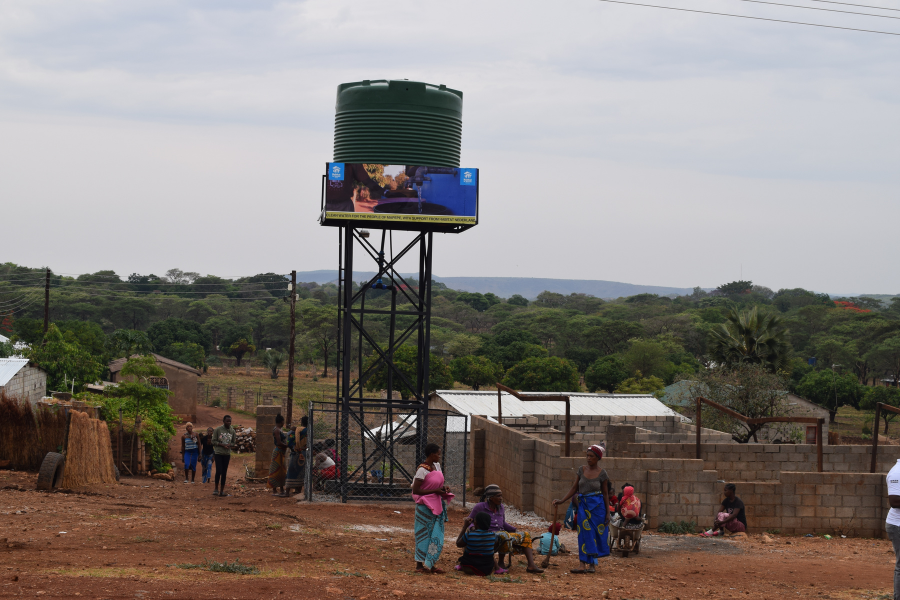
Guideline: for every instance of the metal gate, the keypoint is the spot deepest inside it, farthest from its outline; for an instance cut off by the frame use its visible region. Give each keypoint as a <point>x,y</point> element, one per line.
<point>376,450</point>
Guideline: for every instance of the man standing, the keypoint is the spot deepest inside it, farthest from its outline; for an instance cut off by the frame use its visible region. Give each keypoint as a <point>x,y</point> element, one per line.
<point>223,439</point>
<point>892,524</point>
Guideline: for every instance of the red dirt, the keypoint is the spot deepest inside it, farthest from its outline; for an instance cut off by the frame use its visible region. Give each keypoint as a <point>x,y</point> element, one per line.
<point>123,541</point>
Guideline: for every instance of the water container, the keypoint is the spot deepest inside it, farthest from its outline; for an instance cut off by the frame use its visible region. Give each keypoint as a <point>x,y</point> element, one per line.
<point>398,122</point>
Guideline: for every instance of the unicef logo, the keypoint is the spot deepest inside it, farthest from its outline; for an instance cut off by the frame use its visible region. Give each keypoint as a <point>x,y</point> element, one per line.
<point>336,172</point>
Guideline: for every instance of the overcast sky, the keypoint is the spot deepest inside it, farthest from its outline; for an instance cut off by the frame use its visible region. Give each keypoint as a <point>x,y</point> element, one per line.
<point>615,142</point>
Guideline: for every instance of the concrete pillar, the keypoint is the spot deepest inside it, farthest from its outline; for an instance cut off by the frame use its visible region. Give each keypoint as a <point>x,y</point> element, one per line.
<point>265,422</point>
<point>249,401</point>
<point>232,397</point>
<point>213,394</point>
<point>201,393</point>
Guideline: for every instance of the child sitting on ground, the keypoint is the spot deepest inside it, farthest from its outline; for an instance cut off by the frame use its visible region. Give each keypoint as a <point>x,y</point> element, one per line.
<point>479,544</point>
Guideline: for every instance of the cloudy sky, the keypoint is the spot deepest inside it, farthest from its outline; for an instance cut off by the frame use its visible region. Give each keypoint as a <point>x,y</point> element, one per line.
<point>615,142</point>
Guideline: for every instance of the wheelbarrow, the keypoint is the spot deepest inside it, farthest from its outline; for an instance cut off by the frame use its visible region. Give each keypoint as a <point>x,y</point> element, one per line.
<point>626,537</point>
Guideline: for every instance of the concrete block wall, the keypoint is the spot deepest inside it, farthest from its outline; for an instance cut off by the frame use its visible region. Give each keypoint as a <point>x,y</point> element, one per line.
<point>765,462</point>
<point>30,384</point>
<point>679,488</point>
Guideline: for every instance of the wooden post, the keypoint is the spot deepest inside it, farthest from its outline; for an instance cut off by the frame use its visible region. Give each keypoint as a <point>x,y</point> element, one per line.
<point>875,438</point>
<point>119,441</point>
<point>819,424</point>
<point>47,301</point>
<point>698,428</point>
<point>568,432</point>
<point>290,391</point>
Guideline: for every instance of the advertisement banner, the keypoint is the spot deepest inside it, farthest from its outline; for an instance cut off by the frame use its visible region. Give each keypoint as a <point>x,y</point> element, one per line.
<point>400,193</point>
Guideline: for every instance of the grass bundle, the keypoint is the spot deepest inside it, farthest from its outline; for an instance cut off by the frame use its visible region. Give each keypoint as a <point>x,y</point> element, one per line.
<point>89,457</point>
<point>19,441</point>
<point>51,425</point>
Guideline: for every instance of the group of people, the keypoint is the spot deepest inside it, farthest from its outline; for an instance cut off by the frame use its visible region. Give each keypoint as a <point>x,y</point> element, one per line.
<point>487,538</point>
<point>213,446</point>
<point>287,470</point>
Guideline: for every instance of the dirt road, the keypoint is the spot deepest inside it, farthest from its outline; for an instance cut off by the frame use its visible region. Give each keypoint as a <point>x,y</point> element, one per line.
<point>136,540</point>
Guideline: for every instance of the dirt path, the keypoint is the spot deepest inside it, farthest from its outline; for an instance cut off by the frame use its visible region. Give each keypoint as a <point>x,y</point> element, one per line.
<point>131,540</point>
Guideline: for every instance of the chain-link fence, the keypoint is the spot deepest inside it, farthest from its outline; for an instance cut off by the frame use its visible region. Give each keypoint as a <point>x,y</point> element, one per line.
<point>372,451</point>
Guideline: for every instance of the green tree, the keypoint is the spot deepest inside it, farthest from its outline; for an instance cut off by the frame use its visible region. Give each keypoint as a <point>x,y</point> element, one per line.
<point>640,385</point>
<point>66,363</point>
<point>319,323</point>
<point>127,342</point>
<point>830,390</point>
<point>746,388</point>
<point>517,300</point>
<point>238,349</point>
<point>476,371</point>
<point>187,353</point>
<point>750,337</point>
<point>273,360</point>
<point>170,331</point>
<point>884,395</point>
<point>606,373</point>
<point>647,356</point>
<point>735,288</point>
<point>6,349</point>
<point>404,359</point>
<point>549,374</point>
<point>886,355</point>
<point>463,345</point>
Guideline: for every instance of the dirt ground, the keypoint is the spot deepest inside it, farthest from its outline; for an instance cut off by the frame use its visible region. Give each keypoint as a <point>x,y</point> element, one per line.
<point>134,540</point>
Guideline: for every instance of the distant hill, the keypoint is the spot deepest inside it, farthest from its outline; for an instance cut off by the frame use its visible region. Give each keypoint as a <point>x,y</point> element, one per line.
<point>528,287</point>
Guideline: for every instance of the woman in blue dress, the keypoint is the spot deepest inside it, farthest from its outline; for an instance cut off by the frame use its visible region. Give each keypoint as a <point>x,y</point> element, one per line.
<point>591,489</point>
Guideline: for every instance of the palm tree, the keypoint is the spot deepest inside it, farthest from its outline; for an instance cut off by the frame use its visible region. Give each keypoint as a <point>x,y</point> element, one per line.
<point>750,337</point>
<point>272,360</point>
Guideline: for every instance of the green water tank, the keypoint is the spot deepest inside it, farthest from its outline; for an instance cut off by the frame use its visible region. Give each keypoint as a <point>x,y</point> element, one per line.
<point>398,122</point>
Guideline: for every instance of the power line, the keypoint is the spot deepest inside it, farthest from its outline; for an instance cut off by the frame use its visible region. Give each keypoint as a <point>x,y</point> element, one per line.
<point>859,5</point>
<point>846,12</point>
<point>707,12</point>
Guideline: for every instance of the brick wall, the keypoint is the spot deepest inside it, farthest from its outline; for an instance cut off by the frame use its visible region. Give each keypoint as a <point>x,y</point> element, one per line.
<point>531,472</point>
<point>265,443</point>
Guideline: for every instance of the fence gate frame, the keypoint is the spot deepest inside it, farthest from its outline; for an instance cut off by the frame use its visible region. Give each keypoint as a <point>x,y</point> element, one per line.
<point>379,448</point>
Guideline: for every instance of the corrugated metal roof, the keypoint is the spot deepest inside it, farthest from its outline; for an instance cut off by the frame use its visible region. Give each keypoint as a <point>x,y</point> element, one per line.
<point>613,405</point>
<point>9,367</point>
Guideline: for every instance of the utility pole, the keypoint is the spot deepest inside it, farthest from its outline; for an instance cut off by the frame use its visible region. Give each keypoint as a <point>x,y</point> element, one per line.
<point>47,301</point>
<point>290,394</point>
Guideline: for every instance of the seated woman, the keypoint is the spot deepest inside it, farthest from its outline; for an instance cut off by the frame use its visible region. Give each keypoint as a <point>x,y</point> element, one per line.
<point>478,556</point>
<point>323,465</point>
<point>731,516</point>
<point>509,540</point>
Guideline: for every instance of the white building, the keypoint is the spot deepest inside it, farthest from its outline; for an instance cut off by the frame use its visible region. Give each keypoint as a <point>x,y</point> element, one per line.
<point>18,379</point>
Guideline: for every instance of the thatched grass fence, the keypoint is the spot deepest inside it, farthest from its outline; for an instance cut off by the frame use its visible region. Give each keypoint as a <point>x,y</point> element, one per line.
<point>27,434</point>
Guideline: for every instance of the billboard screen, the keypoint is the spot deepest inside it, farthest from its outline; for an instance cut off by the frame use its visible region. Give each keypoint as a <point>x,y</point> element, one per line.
<point>414,194</point>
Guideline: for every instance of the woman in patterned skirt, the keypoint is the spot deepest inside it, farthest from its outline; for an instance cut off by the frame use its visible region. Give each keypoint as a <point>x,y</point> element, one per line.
<point>431,510</point>
<point>591,488</point>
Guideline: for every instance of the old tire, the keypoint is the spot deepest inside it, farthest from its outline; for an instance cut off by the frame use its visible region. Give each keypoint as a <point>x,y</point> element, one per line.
<point>51,472</point>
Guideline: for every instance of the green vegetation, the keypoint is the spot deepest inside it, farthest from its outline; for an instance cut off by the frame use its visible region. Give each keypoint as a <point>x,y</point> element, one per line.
<point>222,567</point>
<point>678,527</point>
<point>554,342</point>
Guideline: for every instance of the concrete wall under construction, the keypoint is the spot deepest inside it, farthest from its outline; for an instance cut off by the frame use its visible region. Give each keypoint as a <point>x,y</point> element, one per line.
<point>532,472</point>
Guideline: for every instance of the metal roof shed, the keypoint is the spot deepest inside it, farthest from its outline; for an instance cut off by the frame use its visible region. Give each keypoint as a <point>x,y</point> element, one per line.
<point>613,405</point>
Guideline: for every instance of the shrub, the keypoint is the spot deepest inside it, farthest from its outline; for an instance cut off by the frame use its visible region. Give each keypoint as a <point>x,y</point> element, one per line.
<point>677,527</point>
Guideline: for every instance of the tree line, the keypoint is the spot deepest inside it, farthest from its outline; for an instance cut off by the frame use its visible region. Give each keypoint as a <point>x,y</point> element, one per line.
<point>830,351</point>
